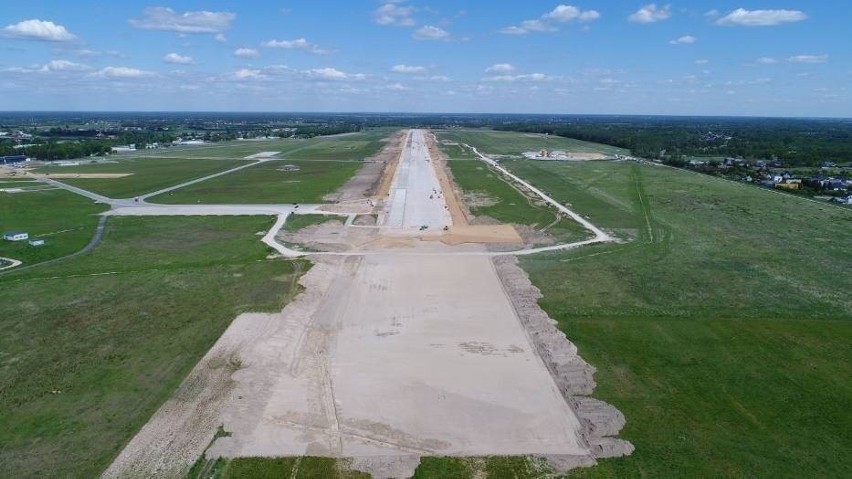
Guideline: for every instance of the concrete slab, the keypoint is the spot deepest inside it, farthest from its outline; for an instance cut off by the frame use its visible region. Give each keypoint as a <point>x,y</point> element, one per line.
<point>401,354</point>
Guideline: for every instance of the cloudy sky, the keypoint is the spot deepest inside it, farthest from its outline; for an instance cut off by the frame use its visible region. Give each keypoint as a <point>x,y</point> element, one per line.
<point>744,57</point>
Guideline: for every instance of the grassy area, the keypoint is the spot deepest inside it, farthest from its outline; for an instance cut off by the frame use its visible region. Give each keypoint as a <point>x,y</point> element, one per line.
<point>487,194</point>
<point>147,174</point>
<point>89,349</point>
<point>722,331</point>
<point>64,220</point>
<point>298,222</point>
<point>514,143</point>
<point>307,467</point>
<point>266,183</point>
<point>354,147</point>
<point>230,149</point>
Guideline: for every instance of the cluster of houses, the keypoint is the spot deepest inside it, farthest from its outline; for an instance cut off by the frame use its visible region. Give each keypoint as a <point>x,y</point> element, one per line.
<point>766,173</point>
<point>22,236</point>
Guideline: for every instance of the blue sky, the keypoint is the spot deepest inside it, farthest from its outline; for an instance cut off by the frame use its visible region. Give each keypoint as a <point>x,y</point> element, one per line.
<point>744,57</point>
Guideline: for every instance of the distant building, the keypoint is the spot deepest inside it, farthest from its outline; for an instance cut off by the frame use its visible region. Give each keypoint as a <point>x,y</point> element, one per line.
<point>36,242</point>
<point>15,236</point>
<point>6,160</point>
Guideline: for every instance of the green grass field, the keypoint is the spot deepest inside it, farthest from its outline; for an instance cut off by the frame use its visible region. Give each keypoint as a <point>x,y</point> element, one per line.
<point>722,331</point>
<point>147,174</point>
<point>90,348</point>
<point>510,205</point>
<point>264,183</point>
<point>353,147</point>
<point>307,467</point>
<point>64,220</point>
<point>297,222</point>
<point>513,143</point>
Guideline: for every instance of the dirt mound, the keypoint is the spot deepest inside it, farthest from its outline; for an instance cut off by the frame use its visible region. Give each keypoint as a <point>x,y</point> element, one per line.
<point>573,376</point>
<point>371,179</point>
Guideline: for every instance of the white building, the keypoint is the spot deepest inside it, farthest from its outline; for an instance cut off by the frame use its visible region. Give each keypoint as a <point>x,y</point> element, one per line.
<point>15,236</point>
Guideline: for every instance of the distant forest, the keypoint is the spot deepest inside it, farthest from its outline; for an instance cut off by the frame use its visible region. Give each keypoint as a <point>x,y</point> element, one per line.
<point>794,142</point>
<point>791,142</point>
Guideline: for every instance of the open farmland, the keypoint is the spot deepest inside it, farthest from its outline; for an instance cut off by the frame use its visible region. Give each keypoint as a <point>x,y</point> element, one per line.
<point>65,229</point>
<point>144,175</point>
<point>512,143</point>
<point>721,331</point>
<point>268,183</point>
<point>91,347</point>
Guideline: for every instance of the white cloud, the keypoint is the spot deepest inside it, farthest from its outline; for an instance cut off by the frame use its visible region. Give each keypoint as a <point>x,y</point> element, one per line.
<point>397,87</point>
<point>178,59</point>
<point>297,44</point>
<point>429,32</point>
<point>808,59</point>
<point>51,66</point>
<point>63,66</point>
<point>163,18</point>
<point>766,61</point>
<point>246,53</point>
<point>513,30</point>
<point>650,14</point>
<point>684,40</point>
<point>513,78</point>
<point>760,18</point>
<point>408,69</point>
<point>122,72</point>
<point>220,37</point>
<point>545,23</point>
<point>248,74</point>
<point>392,14</point>
<point>500,68</point>
<point>569,13</point>
<point>433,78</point>
<point>38,30</point>
<point>702,61</point>
<point>332,74</point>
<point>712,13</point>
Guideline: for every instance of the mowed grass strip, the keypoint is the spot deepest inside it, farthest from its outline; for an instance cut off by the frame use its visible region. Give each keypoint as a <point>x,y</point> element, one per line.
<point>514,143</point>
<point>487,194</point>
<point>267,182</point>
<point>65,221</point>
<point>721,330</point>
<point>89,349</point>
<point>146,175</point>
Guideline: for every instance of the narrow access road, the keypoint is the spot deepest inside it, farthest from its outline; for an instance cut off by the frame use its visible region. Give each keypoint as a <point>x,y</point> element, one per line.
<point>99,232</point>
<point>143,198</point>
<point>600,236</point>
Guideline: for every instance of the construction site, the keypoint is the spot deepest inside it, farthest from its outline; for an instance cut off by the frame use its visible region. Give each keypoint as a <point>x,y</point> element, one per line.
<point>413,337</point>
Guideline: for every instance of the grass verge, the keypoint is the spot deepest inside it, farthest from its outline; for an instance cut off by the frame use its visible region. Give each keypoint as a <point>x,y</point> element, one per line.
<point>89,349</point>
<point>268,183</point>
<point>146,175</point>
<point>64,220</point>
<point>721,331</point>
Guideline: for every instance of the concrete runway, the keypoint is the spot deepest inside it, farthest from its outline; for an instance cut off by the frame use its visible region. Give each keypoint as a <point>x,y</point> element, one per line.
<point>416,196</point>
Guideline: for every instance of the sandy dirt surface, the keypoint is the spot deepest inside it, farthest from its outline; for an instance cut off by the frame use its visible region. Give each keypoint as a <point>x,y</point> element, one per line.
<point>421,347</point>
<point>372,180</point>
